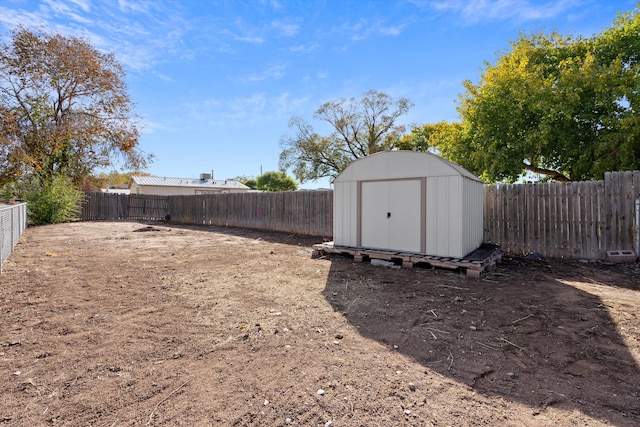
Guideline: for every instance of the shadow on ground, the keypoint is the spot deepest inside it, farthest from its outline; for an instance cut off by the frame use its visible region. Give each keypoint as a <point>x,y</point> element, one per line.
<point>268,236</point>
<point>524,333</point>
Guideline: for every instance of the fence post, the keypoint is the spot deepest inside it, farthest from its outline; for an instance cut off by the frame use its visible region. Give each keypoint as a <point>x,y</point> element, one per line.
<point>637,228</point>
<point>12,221</point>
<point>1,241</point>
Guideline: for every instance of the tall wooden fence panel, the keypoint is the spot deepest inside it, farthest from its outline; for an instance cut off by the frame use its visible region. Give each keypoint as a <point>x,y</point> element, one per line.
<point>564,220</point>
<point>298,212</point>
<point>147,207</point>
<point>104,206</point>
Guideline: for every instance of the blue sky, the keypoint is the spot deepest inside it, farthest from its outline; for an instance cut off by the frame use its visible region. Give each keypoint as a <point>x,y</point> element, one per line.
<point>216,82</point>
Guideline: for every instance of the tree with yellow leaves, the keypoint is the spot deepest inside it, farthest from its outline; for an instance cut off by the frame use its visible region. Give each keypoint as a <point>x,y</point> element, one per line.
<point>64,109</point>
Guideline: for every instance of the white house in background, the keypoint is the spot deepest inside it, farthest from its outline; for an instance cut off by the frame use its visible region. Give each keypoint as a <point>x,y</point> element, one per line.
<point>164,186</point>
<point>116,190</point>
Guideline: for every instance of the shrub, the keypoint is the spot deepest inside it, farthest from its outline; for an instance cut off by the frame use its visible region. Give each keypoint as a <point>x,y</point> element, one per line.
<point>275,181</point>
<point>53,201</point>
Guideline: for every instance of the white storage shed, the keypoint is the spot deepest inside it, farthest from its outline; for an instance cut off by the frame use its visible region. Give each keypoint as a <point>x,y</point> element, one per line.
<point>410,202</point>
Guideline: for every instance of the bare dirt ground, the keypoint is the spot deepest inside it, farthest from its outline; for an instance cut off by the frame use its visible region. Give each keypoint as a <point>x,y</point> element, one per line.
<point>133,324</point>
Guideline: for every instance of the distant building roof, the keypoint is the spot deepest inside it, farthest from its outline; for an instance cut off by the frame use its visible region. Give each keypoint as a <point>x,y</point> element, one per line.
<point>158,181</point>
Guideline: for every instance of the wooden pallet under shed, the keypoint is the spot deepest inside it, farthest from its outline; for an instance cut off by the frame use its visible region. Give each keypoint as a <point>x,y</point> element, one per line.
<point>474,264</point>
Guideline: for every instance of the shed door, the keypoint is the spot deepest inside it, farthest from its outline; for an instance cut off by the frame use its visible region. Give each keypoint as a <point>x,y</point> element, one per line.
<point>390,215</point>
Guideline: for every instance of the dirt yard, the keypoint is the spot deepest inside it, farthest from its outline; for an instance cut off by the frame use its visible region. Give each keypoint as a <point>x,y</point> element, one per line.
<point>134,324</point>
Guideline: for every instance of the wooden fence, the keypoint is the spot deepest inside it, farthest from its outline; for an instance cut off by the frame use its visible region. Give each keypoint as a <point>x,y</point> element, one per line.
<point>564,220</point>
<point>558,220</point>
<point>299,212</point>
<point>110,206</point>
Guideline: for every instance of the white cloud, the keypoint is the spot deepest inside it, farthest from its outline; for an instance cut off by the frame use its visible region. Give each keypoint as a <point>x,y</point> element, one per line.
<point>137,57</point>
<point>521,10</point>
<point>246,111</point>
<point>287,105</point>
<point>246,33</point>
<point>82,4</point>
<point>164,77</point>
<point>304,48</point>
<point>286,28</point>
<point>148,127</point>
<point>235,112</point>
<point>67,9</point>
<point>255,102</point>
<point>13,18</point>
<point>393,30</point>
<point>148,32</point>
<point>274,3</point>
<point>137,6</point>
<point>363,29</point>
<point>274,71</point>
<point>249,38</point>
<point>357,31</point>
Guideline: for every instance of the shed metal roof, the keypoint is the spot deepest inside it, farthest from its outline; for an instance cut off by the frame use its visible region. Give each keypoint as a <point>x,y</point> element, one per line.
<point>157,181</point>
<point>399,163</point>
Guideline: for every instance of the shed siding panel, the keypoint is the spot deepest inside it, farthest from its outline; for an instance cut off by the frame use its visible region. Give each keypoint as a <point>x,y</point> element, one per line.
<point>353,213</point>
<point>374,223</point>
<point>445,220</point>
<point>345,214</point>
<point>442,223</point>
<point>339,210</point>
<point>431,210</point>
<point>456,217</point>
<point>473,215</point>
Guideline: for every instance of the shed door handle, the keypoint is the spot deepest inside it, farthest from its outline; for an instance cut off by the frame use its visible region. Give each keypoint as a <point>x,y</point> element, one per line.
<point>388,214</point>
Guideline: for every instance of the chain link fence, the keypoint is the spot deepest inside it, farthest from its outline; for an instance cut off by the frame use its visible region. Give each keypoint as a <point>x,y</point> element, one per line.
<point>13,221</point>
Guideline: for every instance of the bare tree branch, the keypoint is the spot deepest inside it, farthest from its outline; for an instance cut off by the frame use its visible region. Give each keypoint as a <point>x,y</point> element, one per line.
<point>361,127</point>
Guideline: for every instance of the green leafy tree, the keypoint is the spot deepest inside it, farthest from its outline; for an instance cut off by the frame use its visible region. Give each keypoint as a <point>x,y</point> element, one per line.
<point>95,182</point>
<point>360,127</point>
<point>562,107</point>
<point>250,182</point>
<point>53,200</point>
<point>64,109</point>
<point>445,139</point>
<point>275,181</point>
